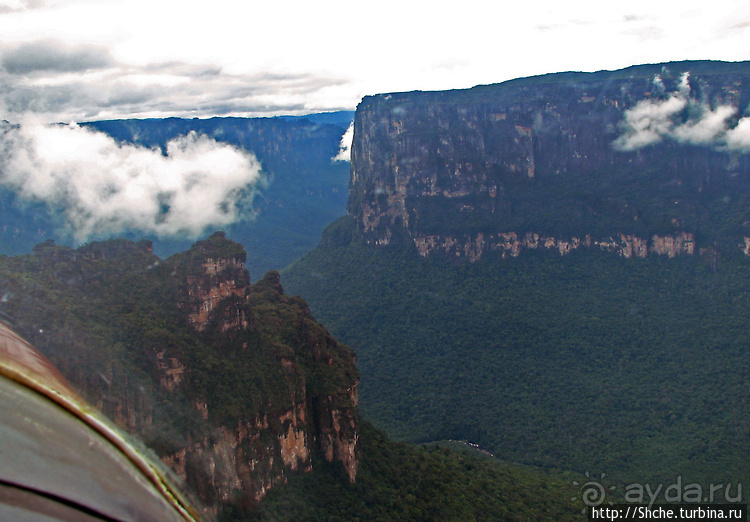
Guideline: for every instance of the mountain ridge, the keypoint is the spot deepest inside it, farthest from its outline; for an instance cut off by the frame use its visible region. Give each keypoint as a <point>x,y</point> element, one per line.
<point>300,189</point>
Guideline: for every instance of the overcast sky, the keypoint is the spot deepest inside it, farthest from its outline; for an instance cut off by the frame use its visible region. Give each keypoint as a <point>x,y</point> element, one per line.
<point>78,60</point>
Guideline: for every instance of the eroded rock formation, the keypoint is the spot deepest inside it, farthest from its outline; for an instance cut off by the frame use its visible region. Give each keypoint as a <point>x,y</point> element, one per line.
<point>233,384</point>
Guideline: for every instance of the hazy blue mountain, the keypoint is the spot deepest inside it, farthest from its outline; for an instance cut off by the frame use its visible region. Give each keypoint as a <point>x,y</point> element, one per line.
<point>303,191</point>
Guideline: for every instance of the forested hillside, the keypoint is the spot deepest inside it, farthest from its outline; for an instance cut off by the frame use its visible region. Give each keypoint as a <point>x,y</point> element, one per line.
<point>554,268</point>
<point>237,388</point>
<point>588,362</point>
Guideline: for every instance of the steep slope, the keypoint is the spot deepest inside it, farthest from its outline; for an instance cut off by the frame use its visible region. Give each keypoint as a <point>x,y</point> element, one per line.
<point>554,268</point>
<point>647,159</point>
<point>586,362</point>
<point>234,385</point>
<point>237,388</point>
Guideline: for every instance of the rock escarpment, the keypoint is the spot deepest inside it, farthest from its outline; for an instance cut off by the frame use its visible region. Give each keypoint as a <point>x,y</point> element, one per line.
<point>650,159</point>
<point>313,397</point>
<point>509,244</point>
<point>233,384</point>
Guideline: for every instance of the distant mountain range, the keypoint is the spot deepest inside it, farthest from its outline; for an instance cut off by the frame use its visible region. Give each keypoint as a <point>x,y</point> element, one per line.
<point>303,189</point>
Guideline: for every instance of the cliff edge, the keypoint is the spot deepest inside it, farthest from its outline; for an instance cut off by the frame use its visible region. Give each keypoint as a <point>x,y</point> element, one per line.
<point>233,384</point>
<point>646,160</point>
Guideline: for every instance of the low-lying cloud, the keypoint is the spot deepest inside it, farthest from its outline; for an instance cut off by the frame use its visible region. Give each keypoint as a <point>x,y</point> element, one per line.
<point>345,146</point>
<point>684,119</point>
<point>104,188</point>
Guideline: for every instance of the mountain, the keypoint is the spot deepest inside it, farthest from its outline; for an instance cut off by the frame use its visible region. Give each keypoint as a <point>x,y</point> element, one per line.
<point>554,268</point>
<point>557,161</point>
<point>302,191</point>
<point>240,391</point>
<point>233,384</point>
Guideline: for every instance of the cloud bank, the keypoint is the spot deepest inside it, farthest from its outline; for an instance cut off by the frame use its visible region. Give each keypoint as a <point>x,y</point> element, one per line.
<point>104,188</point>
<point>63,82</point>
<point>684,119</point>
<point>50,56</point>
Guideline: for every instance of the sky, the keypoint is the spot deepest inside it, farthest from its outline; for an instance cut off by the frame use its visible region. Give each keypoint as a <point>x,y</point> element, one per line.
<point>69,61</point>
<point>81,60</point>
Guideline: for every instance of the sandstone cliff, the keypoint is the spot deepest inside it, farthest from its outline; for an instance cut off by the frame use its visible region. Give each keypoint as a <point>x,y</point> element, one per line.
<point>306,411</point>
<point>233,384</point>
<point>650,159</point>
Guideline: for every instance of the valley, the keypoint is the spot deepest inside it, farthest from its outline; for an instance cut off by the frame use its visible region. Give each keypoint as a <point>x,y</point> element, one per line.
<point>524,267</point>
<point>554,270</point>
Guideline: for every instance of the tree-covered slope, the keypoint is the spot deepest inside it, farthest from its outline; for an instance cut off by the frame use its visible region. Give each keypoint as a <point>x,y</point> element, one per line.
<point>251,396</point>
<point>407,482</point>
<point>585,362</point>
<point>233,384</point>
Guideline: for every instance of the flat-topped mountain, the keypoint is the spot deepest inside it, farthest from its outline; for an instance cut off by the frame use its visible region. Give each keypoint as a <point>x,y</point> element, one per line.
<point>649,159</point>
<point>554,268</point>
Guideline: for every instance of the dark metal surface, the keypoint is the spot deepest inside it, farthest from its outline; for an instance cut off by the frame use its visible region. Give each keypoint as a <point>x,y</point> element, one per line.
<point>57,455</point>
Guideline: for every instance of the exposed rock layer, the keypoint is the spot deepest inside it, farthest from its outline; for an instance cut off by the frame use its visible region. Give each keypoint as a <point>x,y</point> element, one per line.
<point>239,463</point>
<point>497,166</point>
<point>234,385</point>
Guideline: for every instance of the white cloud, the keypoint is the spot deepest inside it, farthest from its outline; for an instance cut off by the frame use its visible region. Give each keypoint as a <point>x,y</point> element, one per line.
<point>78,83</point>
<point>739,137</point>
<point>684,119</point>
<point>649,121</point>
<point>404,46</point>
<point>104,188</point>
<point>345,147</point>
<point>709,128</point>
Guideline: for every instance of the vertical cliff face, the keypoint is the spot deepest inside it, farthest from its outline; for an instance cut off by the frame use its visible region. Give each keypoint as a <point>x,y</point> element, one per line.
<point>235,385</point>
<point>307,411</point>
<point>216,279</point>
<point>565,156</point>
<point>246,453</point>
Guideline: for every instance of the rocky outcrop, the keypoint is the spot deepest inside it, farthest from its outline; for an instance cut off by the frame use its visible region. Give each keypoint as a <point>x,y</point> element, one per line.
<point>171,371</point>
<point>569,155</point>
<point>238,463</point>
<point>338,433</point>
<point>213,276</point>
<point>234,385</point>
